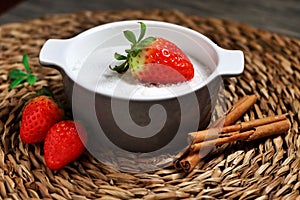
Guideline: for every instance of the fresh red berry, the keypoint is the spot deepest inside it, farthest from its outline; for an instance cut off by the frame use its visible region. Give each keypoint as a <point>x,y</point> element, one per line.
<point>37,118</point>
<point>64,143</point>
<point>155,60</point>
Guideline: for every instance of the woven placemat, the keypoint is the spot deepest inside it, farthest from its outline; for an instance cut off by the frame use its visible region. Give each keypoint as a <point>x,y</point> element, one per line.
<point>265,169</point>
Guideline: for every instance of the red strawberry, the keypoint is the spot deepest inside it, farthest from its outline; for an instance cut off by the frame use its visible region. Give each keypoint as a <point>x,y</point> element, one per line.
<point>37,118</point>
<point>155,60</point>
<point>63,144</point>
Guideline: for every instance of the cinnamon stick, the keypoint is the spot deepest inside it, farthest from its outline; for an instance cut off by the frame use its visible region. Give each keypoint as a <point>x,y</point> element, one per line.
<point>233,137</point>
<point>217,135</point>
<point>200,136</point>
<point>254,123</point>
<point>208,134</point>
<point>179,156</point>
<point>188,163</point>
<point>274,128</point>
<point>257,132</point>
<point>234,113</point>
<point>270,129</point>
<point>239,109</point>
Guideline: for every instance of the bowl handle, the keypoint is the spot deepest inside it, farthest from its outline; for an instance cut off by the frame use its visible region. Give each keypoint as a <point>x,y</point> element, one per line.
<point>231,62</point>
<point>53,53</point>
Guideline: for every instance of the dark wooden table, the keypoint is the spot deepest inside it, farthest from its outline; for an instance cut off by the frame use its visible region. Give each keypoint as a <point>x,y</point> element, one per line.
<point>273,15</point>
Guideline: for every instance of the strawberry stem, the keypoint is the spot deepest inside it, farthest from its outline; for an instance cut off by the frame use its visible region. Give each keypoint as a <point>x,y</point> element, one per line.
<point>136,48</point>
<point>46,91</point>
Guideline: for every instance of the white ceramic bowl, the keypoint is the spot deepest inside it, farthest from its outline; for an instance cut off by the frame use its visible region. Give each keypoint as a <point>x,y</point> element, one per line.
<point>125,116</point>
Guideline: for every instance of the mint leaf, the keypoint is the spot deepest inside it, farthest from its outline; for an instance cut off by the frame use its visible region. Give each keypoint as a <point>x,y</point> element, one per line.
<point>16,74</point>
<point>26,63</point>
<point>31,79</point>
<point>16,82</point>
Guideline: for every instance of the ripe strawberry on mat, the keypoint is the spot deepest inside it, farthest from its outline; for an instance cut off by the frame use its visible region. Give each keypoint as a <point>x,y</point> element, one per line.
<point>154,60</point>
<point>63,144</point>
<point>37,118</point>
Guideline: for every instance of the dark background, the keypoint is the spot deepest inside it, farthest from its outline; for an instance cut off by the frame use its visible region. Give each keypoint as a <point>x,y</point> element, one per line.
<point>280,16</point>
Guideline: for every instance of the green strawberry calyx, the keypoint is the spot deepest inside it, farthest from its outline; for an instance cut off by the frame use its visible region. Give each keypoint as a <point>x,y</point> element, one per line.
<point>136,47</point>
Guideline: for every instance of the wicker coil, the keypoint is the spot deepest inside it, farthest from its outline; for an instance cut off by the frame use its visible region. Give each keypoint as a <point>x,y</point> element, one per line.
<point>264,169</point>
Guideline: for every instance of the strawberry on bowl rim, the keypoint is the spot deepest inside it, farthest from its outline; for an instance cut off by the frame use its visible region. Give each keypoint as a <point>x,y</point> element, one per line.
<point>128,117</point>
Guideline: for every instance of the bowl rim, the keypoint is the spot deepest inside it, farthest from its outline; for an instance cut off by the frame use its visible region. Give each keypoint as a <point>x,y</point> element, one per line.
<point>109,25</point>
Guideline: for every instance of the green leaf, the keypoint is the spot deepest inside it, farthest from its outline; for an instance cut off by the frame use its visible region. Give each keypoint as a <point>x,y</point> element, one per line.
<point>120,68</point>
<point>130,36</point>
<point>16,82</point>
<point>143,31</point>
<point>145,42</point>
<point>120,57</point>
<point>16,74</point>
<point>26,63</point>
<point>31,79</point>
<point>126,67</point>
<point>45,91</point>
<point>135,52</point>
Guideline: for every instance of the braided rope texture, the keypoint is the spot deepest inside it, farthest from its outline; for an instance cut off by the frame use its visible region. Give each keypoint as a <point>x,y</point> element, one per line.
<point>264,169</point>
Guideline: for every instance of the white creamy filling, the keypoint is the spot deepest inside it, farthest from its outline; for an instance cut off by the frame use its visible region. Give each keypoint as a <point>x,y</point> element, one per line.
<point>95,75</point>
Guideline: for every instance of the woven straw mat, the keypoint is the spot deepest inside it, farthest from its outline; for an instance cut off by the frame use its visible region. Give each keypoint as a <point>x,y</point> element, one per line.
<point>264,169</point>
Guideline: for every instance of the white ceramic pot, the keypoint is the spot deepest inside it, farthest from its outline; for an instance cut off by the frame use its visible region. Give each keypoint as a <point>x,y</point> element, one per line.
<point>125,115</point>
